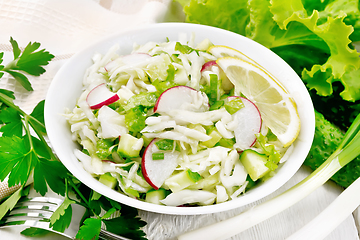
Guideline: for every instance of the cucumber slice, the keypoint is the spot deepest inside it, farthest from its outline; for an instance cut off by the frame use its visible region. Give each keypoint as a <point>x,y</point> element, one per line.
<point>204,45</point>
<point>254,163</point>
<point>215,138</point>
<point>207,183</point>
<point>182,180</point>
<point>155,196</point>
<point>130,146</point>
<point>108,180</point>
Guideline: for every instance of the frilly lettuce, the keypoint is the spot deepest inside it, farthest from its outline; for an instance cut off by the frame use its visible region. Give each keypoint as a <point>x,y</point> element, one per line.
<point>315,37</point>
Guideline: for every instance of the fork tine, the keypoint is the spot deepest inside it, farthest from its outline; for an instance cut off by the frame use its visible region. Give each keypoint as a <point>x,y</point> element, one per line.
<point>30,223</point>
<point>32,207</point>
<point>37,203</point>
<point>36,212</point>
<point>39,208</point>
<point>42,215</point>
<point>55,201</point>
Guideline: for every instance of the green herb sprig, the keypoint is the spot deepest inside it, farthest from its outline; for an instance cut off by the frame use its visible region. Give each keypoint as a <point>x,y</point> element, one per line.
<point>28,61</point>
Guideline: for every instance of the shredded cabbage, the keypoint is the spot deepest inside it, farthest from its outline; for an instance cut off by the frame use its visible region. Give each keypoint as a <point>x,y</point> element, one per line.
<point>215,172</point>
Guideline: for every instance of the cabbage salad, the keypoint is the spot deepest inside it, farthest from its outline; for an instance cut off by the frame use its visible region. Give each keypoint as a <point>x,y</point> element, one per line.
<point>162,125</point>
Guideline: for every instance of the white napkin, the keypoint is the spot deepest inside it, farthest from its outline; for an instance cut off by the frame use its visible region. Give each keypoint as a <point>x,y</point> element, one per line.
<point>64,27</point>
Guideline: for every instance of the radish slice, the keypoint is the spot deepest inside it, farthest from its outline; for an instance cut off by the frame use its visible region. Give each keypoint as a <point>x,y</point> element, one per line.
<point>207,66</point>
<point>249,123</point>
<point>112,123</point>
<point>130,59</point>
<point>135,58</point>
<point>181,97</point>
<point>156,172</point>
<point>100,96</point>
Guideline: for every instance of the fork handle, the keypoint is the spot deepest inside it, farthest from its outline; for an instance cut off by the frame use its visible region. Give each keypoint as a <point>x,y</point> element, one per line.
<point>106,235</point>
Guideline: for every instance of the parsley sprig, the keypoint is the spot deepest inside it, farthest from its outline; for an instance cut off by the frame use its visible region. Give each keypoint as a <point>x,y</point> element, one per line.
<point>25,153</point>
<point>29,61</point>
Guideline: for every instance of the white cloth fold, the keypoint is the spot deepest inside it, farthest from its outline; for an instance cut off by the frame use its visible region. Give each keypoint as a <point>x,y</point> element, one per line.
<point>67,26</point>
<point>64,27</point>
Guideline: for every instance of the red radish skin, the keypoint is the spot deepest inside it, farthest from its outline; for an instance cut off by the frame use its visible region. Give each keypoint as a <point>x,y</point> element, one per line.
<point>208,65</point>
<point>173,98</point>
<point>100,96</point>
<point>249,123</point>
<point>155,172</point>
<point>109,161</point>
<point>108,65</point>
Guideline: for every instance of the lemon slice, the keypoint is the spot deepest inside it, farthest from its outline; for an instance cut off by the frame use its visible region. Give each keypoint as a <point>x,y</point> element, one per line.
<point>278,110</point>
<point>225,51</point>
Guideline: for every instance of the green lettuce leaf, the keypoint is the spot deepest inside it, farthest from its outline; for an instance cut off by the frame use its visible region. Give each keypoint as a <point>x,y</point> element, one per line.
<point>351,9</point>
<point>313,36</point>
<point>232,15</point>
<point>261,24</point>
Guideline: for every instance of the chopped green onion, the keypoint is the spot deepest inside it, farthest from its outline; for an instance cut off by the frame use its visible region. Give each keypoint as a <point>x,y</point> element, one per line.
<point>158,156</point>
<point>145,99</point>
<point>270,150</point>
<point>185,49</point>
<point>228,143</point>
<point>171,73</point>
<point>334,214</point>
<point>234,105</point>
<point>135,119</point>
<point>271,136</point>
<point>194,176</point>
<point>165,144</point>
<point>161,86</point>
<point>103,148</point>
<point>213,89</point>
<point>217,105</point>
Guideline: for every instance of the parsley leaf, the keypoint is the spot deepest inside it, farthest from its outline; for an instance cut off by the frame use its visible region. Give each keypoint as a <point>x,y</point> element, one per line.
<point>34,232</point>
<point>50,172</point>
<point>12,122</point>
<point>21,78</point>
<point>21,153</point>
<point>14,159</point>
<point>15,47</point>
<point>61,218</point>
<point>130,226</point>
<point>38,117</point>
<point>129,220</point>
<point>90,229</point>
<point>29,61</point>
<point>1,60</point>
<point>7,94</point>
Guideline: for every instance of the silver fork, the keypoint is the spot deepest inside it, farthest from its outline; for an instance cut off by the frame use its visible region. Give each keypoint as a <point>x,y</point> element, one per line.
<point>36,212</point>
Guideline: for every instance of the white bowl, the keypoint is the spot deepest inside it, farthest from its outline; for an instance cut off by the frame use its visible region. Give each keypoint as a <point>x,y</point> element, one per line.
<point>67,86</point>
